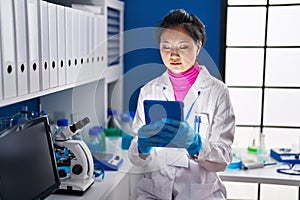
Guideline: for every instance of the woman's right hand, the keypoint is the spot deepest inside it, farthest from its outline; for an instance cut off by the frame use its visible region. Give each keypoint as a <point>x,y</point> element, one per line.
<point>150,136</point>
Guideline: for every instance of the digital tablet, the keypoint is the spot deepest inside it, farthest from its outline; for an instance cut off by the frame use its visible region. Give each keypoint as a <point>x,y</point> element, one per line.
<point>155,110</point>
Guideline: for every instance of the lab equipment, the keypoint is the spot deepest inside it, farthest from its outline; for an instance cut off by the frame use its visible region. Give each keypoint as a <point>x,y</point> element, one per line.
<point>28,168</point>
<point>96,140</point>
<point>107,161</point>
<point>126,123</point>
<point>112,127</point>
<point>101,137</point>
<point>155,110</point>
<point>97,145</point>
<point>285,155</point>
<point>81,161</point>
<point>61,153</point>
<point>197,122</point>
<point>112,120</point>
<point>252,148</point>
<point>289,171</point>
<point>74,128</point>
<point>23,115</point>
<point>5,122</point>
<point>62,124</point>
<point>127,134</point>
<point>262,154</point>
<point>73,119</point>
<point>126,140</point>
<point>236,163</point>
<point>255,165</point>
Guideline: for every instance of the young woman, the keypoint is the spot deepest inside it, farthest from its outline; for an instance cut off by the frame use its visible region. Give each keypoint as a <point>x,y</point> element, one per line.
<point>181,158</point>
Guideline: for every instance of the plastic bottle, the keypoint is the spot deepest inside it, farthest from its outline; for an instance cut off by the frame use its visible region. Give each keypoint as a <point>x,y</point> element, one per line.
<point>126,123</point>
<point>61,125</point>
<point>24,115</point>
<point>101,138</point>
<point>93,141</point>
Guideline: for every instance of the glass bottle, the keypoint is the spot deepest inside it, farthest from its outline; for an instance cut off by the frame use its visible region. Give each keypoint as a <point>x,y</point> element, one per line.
<point>101,137</point>
<point>93,141</point>
<point>262,154</point>
<point>112,121</point>
<point>61,125</point>
<point>24,115</point>
<point>126,123</point>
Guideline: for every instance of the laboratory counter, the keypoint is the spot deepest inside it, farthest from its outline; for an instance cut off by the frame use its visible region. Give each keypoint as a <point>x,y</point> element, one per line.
<point>267,175</point>
<point>112,182</point>
<point>123,182</point>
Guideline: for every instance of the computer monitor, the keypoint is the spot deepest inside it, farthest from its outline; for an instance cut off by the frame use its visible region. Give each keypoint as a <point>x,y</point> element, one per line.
<point>27,163</point>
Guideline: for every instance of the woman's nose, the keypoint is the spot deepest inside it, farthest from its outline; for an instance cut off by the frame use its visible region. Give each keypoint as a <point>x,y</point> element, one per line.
<point>174,54</point>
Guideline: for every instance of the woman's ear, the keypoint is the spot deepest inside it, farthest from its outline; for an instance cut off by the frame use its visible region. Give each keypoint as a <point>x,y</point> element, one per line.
<point>199,45</point>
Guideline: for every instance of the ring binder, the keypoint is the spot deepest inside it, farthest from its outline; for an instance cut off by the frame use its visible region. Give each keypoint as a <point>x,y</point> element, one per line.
<point>52,17</point>
<point>45,72</point>
<point>21,47</point>
<point>8,49</point>
<point>32,9</point>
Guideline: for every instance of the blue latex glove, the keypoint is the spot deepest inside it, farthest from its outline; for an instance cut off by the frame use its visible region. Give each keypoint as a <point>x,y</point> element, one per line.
<point>150,136</point>
<point>181,135</point>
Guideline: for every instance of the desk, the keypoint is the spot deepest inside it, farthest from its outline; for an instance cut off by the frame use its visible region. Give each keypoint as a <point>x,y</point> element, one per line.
<point>267,175</point>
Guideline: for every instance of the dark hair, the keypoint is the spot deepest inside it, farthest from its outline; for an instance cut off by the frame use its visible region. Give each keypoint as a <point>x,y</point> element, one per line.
<point>189,22</point>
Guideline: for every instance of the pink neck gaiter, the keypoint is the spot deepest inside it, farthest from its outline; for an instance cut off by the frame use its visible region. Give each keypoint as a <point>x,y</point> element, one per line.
<point>183,81</point>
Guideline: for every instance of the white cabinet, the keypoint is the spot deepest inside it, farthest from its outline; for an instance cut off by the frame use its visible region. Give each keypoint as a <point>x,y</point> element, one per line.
<point>126,189</point>
<point>251,191</point>
<point>122,190</point>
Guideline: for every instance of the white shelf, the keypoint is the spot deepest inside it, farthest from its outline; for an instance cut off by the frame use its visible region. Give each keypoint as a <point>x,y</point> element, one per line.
<point>17,99</point>
<point>111,74</point>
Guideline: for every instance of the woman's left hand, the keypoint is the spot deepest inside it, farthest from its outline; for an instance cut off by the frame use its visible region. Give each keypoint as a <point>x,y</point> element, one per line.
<point>181,135</point>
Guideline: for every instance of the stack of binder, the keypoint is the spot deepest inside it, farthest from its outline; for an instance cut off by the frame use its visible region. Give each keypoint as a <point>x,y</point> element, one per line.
<point>44,45</point>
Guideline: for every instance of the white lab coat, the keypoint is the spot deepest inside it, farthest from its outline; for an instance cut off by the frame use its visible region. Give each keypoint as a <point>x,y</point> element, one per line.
<point>170,173</point>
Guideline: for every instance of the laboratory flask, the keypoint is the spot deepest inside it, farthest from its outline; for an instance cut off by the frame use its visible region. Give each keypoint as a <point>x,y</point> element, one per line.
<point>112,119</point>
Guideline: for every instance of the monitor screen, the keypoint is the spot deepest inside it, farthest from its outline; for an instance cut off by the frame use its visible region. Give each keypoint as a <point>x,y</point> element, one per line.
<point>27,163</point>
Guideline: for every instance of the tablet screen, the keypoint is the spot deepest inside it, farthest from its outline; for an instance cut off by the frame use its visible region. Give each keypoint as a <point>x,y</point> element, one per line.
<point>155,110</point>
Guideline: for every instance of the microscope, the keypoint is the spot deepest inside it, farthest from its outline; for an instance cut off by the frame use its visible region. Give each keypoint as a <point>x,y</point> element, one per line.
<point>80,160</point>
